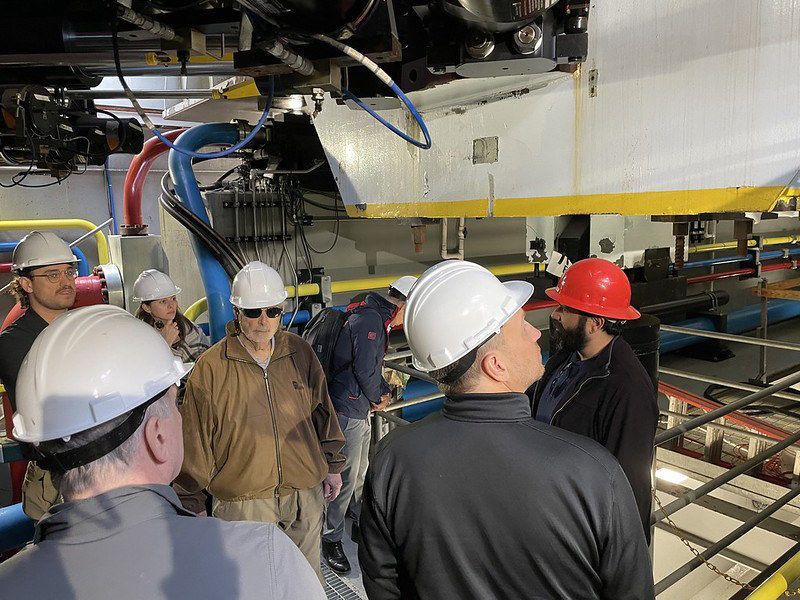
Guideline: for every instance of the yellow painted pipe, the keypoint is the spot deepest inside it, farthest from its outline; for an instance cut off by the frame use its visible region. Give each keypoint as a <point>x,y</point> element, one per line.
<point>778,582</point>
<point>357,285</point>
<point>32,224</point>
<point>786,239</point>
<point>196,309</point>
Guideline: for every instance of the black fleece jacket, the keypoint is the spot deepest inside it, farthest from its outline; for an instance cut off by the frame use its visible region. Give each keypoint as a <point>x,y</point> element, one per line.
<point>482,501</point>
<point>615,404</point>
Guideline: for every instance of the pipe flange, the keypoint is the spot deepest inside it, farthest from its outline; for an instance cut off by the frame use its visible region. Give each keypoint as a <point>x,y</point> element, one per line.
<point>112,279</point>
<point>126,230</point>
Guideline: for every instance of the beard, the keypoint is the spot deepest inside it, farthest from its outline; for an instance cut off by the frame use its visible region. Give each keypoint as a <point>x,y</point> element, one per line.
<point>571,340</point>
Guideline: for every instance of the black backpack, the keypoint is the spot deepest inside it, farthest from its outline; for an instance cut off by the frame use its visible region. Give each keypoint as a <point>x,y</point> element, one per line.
<point>322,332</point>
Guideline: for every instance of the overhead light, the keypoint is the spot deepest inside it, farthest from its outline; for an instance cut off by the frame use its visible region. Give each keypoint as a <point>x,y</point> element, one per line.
<point>671,476</point>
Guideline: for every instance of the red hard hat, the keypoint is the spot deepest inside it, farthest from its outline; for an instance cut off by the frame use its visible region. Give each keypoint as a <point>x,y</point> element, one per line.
<point>595,286</point>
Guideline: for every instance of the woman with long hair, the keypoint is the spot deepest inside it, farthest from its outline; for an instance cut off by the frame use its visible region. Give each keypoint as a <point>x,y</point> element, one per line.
<point>159,308</point>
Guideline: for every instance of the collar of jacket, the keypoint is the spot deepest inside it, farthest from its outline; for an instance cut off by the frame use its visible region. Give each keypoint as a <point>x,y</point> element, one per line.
<point>386,309</point>
<point>234,350</point>
<point>90,519</point>
<point>489,408</point>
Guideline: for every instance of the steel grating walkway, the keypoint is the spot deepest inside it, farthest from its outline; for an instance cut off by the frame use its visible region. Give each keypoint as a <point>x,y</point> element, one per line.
<point>336,588</point>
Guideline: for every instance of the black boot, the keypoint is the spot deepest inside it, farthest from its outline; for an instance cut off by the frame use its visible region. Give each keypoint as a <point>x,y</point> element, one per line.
<point>335,558</point>
<point>355,533</point>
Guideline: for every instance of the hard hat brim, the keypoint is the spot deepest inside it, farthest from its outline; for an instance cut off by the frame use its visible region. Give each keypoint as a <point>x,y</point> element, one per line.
<point>625,314</point>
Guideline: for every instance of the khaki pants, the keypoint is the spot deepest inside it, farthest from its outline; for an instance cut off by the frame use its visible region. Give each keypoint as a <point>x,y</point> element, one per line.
<point>38,492</point>
<point>298,514</point>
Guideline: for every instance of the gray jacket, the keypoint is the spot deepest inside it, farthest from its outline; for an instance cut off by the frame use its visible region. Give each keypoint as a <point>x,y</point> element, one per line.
<point>138,542</point>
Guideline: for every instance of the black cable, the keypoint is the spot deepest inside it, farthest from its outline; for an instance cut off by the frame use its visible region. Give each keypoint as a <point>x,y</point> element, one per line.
<point>334,208</point>
<point>169,7</point>
<point>224,247</point>
<point>192,227</point>
<point>227,174</point>
<point>336,230</point>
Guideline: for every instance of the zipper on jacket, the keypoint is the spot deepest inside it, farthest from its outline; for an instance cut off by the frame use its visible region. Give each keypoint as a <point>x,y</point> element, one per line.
<point>580,387</point>
<point>275,430</point>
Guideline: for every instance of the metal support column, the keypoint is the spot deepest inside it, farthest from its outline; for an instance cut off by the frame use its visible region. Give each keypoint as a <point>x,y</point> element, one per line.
<point>676,405</point>
<point>712,451</point>
<point>762,332</point>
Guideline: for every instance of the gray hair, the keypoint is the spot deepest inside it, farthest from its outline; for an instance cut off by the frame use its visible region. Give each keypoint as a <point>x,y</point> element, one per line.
<point>106,468</point>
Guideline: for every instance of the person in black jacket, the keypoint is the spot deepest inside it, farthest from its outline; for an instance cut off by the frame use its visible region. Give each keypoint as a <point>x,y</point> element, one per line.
<point>481,500</point>
<point>44,286</point>
<point>593,383</point>
<point>358,388</point>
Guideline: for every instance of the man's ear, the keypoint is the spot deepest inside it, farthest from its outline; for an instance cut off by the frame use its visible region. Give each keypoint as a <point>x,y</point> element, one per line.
<point>26,284</point>
<point>595,324</point>
<point>155,438</point>
<point>494,366</point>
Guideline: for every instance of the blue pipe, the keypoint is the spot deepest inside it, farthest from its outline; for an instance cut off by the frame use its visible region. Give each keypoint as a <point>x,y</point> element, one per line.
<point>16,528</point>
<point>215,280</point>
<point>744,319</point>
<point>715,261</point>
<point>735,259</point>
<point>83,264</point>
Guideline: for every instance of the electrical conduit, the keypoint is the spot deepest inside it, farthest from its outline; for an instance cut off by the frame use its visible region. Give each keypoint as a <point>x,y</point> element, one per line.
<point>215,280</point>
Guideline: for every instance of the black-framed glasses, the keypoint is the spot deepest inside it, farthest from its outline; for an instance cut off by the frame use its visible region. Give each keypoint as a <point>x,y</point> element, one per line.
<point>55,276</point>
<point>254,313</point>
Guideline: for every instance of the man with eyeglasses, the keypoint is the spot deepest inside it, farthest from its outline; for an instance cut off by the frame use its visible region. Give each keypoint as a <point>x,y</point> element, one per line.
<point>44,285</point>
<point>593,383</point>
<point>260,432</point>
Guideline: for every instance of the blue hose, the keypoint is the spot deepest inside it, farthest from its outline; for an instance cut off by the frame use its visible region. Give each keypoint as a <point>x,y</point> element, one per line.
<point>215,280</point>
<point>83,264</point>
<point>734,259</point>
<point>178,147</point>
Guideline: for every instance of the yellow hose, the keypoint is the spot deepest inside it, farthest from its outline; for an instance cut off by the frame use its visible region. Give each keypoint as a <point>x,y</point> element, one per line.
<point>102,244</point>
<point>196,309</point>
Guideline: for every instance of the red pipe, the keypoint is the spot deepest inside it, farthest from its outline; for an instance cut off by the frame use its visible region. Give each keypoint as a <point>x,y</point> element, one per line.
<point>89,290</point>
<point>739,273</point>
<point>5,267</point>
<point>137,173</point>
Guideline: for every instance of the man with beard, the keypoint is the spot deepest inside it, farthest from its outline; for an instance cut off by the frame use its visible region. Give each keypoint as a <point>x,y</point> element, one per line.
<point>593,383</point>
<point>44,285</point>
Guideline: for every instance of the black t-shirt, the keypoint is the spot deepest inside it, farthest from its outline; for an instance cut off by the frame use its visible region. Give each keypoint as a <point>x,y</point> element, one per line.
<point>15,341</point>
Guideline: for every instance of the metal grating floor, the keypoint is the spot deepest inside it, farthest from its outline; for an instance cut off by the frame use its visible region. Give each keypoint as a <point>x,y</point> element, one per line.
<point>336,588</point>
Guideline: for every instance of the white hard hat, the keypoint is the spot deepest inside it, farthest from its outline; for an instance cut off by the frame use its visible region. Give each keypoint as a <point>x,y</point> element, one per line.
<point>40,249</point>
<point>454,307</point>
<point>402,286</point>
<point>153,285</point>
<point>89,366</point>
<point>257,286</point>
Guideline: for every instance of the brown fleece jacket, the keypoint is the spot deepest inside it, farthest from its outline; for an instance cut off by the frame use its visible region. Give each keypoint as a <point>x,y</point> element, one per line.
<point>255,433</point>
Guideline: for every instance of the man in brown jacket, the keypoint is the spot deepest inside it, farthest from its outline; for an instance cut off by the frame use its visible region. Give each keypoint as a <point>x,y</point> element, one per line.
<point>260,432</point>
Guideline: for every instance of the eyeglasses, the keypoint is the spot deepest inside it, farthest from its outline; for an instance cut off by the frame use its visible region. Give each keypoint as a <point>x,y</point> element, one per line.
<point>55,276</point>
<point>254,313</point>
